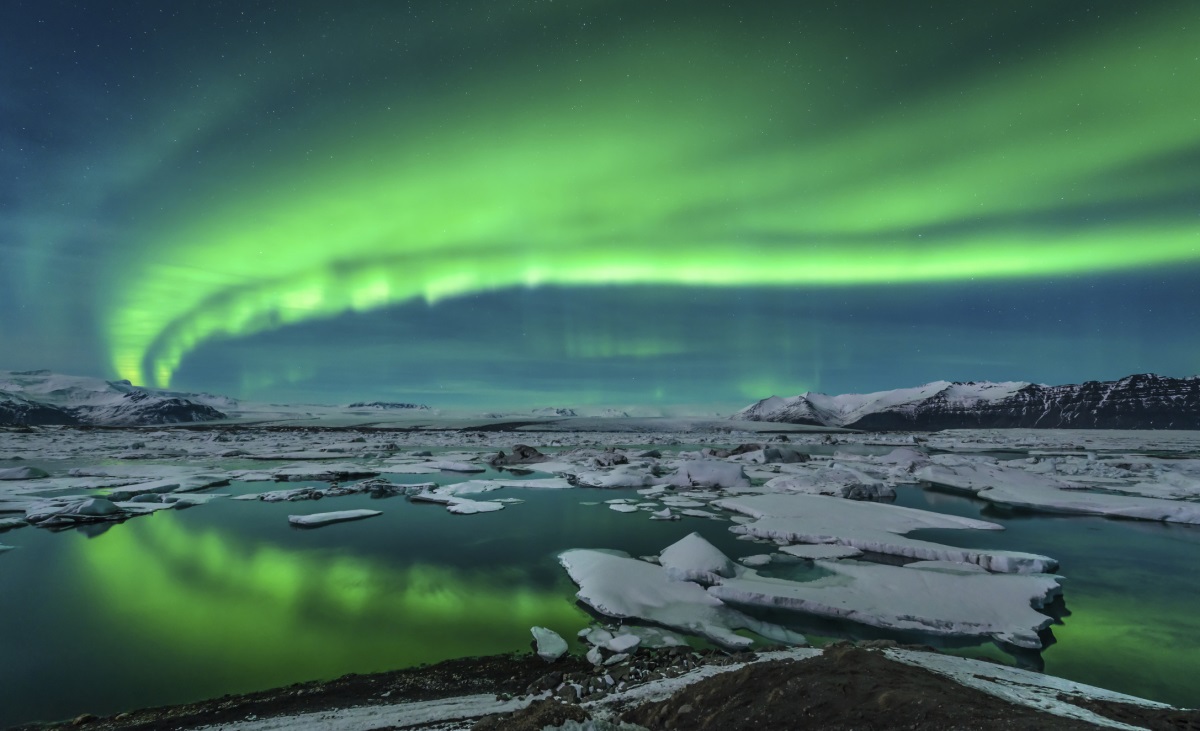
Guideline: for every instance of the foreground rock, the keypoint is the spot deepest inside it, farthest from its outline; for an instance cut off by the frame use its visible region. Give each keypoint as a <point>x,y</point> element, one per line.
<point>841,688</point>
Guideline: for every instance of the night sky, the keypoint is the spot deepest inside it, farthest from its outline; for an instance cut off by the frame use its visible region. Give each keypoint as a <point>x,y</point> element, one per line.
<point>518,204</point>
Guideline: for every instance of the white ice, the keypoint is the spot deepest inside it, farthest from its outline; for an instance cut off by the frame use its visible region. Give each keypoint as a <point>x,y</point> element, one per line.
<point>338,516</point>
<point>875,527</point>
<point>929,600</point>
<point>618,586</point>
<point>1021,489</point>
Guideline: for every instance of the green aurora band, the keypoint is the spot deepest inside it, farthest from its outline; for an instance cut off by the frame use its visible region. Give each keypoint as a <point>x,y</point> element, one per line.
<point>683,158</point>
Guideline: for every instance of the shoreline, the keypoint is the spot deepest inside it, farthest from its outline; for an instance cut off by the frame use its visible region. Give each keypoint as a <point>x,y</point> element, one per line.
<point>871,685</point>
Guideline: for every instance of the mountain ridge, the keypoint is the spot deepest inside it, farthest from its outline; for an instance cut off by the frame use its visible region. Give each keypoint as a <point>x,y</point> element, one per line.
<point>1139,401</point>
<point>43,398</point>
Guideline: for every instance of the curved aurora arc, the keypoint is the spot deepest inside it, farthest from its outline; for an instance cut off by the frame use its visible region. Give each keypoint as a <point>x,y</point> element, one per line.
<point>710,169</point>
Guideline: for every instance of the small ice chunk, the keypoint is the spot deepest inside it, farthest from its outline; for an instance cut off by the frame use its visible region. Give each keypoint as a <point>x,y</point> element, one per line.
<point>623,508</point>
<point>550,645</point>
<point>692,558</point>
<point>338,516</point>
<point>664,514</point>
<point>623,643</point>
<point>462,506</point>
<point>758,559</point>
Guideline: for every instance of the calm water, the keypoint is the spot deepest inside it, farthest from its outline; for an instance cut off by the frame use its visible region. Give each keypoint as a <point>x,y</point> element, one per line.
<point>228,597</point>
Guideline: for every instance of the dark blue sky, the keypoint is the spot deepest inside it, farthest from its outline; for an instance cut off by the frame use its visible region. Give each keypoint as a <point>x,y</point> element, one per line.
<point>487,205</point>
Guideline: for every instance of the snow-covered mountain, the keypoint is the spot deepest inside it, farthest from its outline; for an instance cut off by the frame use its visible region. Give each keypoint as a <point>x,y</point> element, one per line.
<point>42,397</point>
<point>387,405</point>
<point>1145,401</point>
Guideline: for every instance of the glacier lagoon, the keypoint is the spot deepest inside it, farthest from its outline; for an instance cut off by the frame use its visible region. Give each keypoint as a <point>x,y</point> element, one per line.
<point>227,597</point>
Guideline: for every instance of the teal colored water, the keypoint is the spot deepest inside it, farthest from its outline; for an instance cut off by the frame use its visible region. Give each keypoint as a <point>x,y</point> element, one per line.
<point>228,597</point>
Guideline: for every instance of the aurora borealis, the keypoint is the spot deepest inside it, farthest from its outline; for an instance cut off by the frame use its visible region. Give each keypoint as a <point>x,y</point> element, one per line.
<point>477,204</point>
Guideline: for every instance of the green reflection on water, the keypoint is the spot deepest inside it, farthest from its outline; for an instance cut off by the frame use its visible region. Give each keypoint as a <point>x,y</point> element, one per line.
<point>1129,587</point>
<point>284,614</point>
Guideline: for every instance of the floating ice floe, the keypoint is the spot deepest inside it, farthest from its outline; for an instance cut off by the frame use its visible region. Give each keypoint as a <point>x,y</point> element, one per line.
<point>474,487</point>
<point>373,487</point>
<point>61,514</point>
<point>448,466</point>
<point>23,473</point>
<point>10,523</point>
<point>868,526</point>
<point>664,514</point>
<point>1020,489</point>
<point>618,586</point>
<point>457,505</point>
<point>694,513</point>
<point>621,476</point>
<point>550,645</point>
<point>321,472</point>
<point>623,507</point>
<point>926,599</point>
<point>340,516</point>
<point>462,506</point>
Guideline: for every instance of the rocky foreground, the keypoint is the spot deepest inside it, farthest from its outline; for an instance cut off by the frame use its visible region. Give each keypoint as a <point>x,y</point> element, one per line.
<point>875,685</point>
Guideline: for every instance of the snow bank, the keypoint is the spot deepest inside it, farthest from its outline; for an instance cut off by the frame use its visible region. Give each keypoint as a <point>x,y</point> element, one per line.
<point>1023,687</point>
